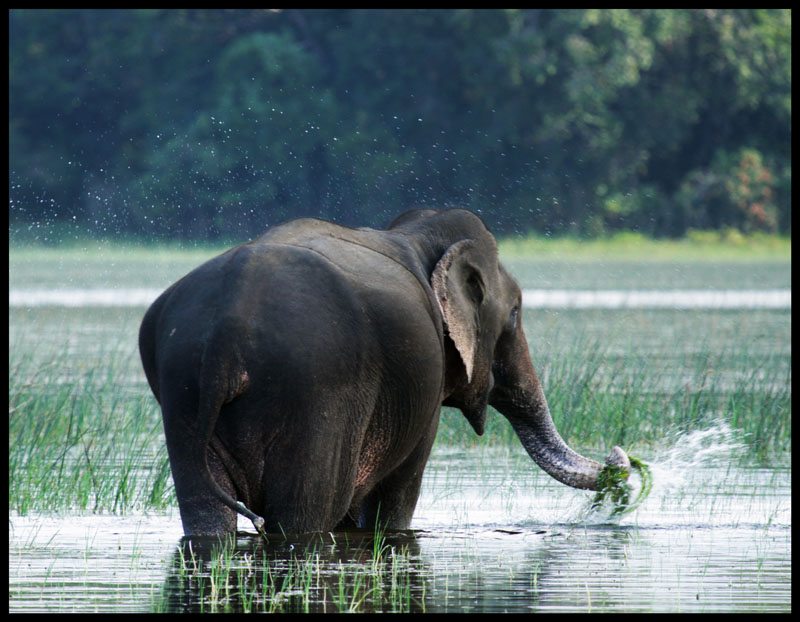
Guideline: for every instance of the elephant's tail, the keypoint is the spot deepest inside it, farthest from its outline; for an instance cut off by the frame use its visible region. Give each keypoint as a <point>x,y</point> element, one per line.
<point>214,393</point>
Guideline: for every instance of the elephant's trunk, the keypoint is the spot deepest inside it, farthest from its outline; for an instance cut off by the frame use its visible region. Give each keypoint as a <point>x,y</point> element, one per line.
<point>545,445</point>
<point>519,396</point>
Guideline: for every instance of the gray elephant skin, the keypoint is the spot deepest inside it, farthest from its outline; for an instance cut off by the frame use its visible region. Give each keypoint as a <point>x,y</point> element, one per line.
<point>300,376</point>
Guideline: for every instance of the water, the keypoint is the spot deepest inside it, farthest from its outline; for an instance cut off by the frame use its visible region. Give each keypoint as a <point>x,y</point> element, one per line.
<point>656,299</point>
<point>75,297</point>
<point>491,533</point>
<point>531,298</point>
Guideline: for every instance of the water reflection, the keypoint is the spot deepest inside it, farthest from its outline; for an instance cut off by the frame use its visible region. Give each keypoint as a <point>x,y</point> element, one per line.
<point>529,571</point>
<point>345,571</point>
<point>496,570</point>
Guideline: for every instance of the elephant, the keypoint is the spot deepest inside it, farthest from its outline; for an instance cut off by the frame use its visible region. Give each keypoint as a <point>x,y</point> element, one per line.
<point>301,375</point>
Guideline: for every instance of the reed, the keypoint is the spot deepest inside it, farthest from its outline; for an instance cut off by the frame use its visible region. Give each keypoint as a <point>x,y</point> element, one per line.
<point>369,574</point>
<point>599,398</point>
<point>85,436</point>
<point>78,439</point>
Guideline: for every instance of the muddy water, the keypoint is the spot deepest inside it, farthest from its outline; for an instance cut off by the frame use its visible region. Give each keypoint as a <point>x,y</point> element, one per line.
<point>491,533</point>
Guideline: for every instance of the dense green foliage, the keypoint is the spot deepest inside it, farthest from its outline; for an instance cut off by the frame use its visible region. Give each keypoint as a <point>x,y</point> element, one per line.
<point>208,123</point>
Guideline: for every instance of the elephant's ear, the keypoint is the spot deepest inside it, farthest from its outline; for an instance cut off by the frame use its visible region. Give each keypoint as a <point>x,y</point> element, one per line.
<point>459,289</point>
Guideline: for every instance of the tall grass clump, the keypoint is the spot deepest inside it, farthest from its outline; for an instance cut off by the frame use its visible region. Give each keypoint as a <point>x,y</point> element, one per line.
<point>316,574</point>
<point>599,398</point>
<point>82,436</point>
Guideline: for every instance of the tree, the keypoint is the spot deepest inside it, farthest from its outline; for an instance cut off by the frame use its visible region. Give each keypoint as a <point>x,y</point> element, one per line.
<point>207,123</point>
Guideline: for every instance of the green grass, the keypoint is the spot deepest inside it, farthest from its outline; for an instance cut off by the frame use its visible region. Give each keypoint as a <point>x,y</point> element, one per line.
<point>597,402</point>
<point>117,251</point>
<point>371,573</point>
<point>79,440</point>
<point>725,245</point>
<point>696,246</point>
<point>633,377</point>
<point>85,432</point>
<point>619,262</point>
<point>88,437</point>
<point>103,265</point>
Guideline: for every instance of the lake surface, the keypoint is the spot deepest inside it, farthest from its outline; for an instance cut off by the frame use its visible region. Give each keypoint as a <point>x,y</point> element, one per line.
<point>492,533</point>
<point>531,298</point>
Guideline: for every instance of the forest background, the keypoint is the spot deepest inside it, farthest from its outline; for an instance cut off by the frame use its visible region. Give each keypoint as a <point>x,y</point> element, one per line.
<point>213,124</point>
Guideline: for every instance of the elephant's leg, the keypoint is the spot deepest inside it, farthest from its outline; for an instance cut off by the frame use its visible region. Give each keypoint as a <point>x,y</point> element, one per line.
<point>392,502</point>
<point>301,494</point>
<point>202,513</point>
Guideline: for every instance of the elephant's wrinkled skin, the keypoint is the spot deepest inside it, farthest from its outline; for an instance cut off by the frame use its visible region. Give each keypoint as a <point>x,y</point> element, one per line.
<point>301,375</point>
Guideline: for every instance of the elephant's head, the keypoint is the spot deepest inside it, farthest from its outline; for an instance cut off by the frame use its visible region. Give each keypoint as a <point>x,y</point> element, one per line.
<point>487,356</point>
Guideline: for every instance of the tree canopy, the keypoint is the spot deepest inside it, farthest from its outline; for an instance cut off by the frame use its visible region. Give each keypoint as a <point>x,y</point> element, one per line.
<point>206,123</point>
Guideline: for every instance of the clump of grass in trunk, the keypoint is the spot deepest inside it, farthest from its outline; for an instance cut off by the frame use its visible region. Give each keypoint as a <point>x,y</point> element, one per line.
<point>616,489</point>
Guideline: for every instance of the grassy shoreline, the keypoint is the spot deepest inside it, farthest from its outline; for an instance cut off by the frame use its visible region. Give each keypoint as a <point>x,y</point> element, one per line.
<point>697,246</point>
<point>628,246</point>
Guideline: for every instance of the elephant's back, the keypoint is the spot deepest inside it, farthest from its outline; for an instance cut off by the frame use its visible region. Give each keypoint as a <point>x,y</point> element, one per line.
<point>329,304</point>
<point>332,306</point>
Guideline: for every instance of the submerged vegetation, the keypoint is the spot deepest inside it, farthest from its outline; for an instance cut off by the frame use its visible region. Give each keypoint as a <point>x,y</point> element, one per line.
<point>601,397</point>
<point>345,573</point>
<point>81,437</point>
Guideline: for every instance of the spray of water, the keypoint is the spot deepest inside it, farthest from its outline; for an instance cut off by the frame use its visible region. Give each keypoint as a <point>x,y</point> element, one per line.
<point>679,455</point>
<point>715,445</point>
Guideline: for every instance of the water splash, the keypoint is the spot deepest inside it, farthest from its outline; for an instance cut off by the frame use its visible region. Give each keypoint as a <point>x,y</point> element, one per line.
<point>670,471</point>
<point>717,445</point>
